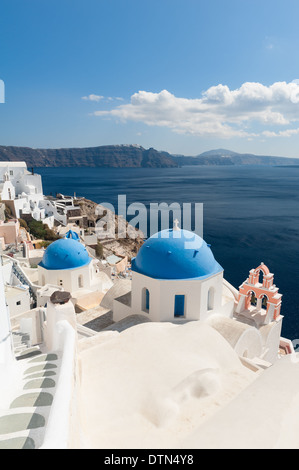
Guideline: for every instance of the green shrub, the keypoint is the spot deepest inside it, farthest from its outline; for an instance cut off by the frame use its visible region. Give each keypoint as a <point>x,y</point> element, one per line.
<point>40,230</point>
<point>23,223</point>
<point>45,243</point>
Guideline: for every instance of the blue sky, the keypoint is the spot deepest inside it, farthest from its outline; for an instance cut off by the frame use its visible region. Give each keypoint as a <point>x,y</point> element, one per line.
<point>183,76</point>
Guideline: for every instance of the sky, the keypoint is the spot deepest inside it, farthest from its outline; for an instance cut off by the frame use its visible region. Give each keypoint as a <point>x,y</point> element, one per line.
<point>184,76</point>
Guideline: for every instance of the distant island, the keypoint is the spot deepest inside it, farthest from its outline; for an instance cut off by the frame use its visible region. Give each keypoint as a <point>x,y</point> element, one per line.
<point>132,156</point>
<point>228,157</point>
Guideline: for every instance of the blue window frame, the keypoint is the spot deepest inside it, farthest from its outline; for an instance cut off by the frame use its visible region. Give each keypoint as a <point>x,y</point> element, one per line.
<point>147,299</point>
<point>179,306</point>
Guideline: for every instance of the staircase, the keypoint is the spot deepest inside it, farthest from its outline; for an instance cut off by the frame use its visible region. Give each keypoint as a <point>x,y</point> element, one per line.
<point>22,346</point>
<point>21,276</point>
<point>24,419</point>
<point>38,389</point>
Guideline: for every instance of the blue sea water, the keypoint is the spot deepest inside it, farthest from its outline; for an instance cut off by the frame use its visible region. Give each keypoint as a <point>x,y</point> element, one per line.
<point>250,213</point>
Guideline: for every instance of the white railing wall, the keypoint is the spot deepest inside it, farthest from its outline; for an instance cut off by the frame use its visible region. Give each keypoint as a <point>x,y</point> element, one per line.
<point>60,427</point>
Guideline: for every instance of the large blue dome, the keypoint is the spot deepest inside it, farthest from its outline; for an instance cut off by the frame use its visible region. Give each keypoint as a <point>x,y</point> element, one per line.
<point>65,253</point>
<point>176,254</point>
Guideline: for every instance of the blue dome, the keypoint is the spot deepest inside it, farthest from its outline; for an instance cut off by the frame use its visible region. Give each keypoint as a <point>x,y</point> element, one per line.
<point>176,254</point>
<point>72,234</point>
<point>65,253</point>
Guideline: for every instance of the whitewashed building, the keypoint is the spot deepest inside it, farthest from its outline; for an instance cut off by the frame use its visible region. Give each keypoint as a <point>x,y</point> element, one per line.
<point>175,278</point>
<point>22,191</point>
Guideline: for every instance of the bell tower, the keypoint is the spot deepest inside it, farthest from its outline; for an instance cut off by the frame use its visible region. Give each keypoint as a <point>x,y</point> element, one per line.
<point>259,297</point>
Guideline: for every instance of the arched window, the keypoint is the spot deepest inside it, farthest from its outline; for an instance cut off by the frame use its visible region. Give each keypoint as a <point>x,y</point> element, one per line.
<point>210,301</point>
<point>145,300</point>
<point>80,281</point>
<point>264,302</point>
<point>253,300</point>
<point>261,277</point>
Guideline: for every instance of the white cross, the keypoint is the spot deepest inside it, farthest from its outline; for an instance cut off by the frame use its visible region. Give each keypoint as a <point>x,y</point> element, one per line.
<point>176,225</point>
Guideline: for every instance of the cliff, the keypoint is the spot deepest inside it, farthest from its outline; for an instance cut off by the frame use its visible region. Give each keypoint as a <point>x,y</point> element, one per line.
<point>130,156</point>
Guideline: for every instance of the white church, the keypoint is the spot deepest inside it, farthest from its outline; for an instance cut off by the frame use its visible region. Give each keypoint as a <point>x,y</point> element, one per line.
<point>175,278</point>
<point>67,265</point>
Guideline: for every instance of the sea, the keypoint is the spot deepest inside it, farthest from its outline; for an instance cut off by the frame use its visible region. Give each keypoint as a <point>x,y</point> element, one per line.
<point>250,213</point>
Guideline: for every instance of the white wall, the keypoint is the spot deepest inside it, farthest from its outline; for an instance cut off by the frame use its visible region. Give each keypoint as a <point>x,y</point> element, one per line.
<point>8,191</point>
<point>29,184</point>
<point>6,354</point>
<point>162,297</point>
<point>18,300</point>
<point>7,272</point>
<point>21,204</point>
<point>70,278</point>
<point>271,338</point>
<point>13,169</point>
<point>62,424</point>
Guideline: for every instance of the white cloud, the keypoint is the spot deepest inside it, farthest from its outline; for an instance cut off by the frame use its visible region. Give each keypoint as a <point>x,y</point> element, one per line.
<point>286,133</point>
<point>219,111</point>
<point>117,98</point>
<point>93,98</point>
<point>99,98</point>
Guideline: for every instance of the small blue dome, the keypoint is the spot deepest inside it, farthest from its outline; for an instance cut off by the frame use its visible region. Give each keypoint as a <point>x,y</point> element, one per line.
<point>176,254</point>
<point>72,234</point>
<point>65,253</point>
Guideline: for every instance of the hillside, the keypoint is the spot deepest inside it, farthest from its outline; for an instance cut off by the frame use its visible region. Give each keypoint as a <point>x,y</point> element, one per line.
<point>131,156</point>
<point>228,157</point>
